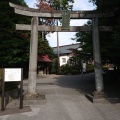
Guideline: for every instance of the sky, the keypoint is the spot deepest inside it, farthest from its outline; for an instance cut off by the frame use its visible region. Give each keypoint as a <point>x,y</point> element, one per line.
<point>65,37</point>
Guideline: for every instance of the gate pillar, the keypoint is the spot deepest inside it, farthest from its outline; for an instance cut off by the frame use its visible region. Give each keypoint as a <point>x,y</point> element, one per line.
<point>97,57</point>
<point>33,59</point>
<point>99,92</point>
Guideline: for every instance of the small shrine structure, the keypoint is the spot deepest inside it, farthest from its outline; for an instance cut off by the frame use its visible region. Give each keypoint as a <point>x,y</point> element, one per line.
<point>44,64</point>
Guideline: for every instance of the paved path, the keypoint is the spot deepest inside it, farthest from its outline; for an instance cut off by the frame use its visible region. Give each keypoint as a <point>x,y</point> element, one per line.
<point>65,100</point>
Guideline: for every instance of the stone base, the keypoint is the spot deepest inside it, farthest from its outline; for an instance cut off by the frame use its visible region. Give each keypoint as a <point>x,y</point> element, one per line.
<point>29,96</point>
<point>100,97</point>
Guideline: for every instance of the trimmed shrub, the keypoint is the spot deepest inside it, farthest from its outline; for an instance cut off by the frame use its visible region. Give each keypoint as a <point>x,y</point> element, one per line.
<point>90,68</point>
<point>74,72</point>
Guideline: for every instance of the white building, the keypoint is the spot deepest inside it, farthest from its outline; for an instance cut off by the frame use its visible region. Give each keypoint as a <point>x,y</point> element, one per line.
<point>65,52</point>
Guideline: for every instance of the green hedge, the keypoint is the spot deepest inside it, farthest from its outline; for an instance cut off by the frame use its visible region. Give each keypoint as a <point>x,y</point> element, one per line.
<point>65,69</point>
<point>89,68</point>
<point>74,72</point>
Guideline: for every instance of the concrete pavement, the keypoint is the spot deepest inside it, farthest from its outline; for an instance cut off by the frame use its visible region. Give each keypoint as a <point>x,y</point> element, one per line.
<point>65,100</point>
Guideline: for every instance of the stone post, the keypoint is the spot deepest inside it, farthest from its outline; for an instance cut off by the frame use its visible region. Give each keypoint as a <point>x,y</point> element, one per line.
<point>97,58</point>
<point>33,59</point>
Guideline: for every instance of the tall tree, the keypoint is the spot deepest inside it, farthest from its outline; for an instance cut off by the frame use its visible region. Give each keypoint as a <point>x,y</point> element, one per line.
<point>111,41</point>
<point>54,4</point>
<point>48,5</point>
<point>44,48</point>
<point>85,39</point>
<point>14,45</point>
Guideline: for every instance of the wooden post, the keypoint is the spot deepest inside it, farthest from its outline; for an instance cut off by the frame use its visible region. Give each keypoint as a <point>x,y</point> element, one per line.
<point>97,57</point>
<point>21,90</point>
<point>3,92</point>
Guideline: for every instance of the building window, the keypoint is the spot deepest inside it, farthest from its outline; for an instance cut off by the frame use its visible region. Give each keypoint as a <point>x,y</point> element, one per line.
<point>63,60</point>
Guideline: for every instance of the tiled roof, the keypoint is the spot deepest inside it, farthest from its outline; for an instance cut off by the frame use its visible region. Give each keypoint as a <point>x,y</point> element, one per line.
<point>66,48</point>
<point>44,58</point>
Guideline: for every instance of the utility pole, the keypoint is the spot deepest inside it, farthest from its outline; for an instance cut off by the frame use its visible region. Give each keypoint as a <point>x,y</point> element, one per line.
<point>43,36</point>
<point>58,55</point>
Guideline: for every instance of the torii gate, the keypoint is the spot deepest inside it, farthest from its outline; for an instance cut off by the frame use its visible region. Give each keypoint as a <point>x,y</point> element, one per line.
<point>34,28</point>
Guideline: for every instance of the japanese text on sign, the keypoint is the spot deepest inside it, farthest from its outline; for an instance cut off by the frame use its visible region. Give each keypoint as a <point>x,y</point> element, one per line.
<point>12,74</point>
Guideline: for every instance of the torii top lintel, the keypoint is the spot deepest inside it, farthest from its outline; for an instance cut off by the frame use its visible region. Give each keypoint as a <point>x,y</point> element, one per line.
<point>58,14</point>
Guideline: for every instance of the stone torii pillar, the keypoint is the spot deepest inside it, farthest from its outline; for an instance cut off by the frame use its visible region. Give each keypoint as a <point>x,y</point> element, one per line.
<point>97,60</point>
<point>31,93</point>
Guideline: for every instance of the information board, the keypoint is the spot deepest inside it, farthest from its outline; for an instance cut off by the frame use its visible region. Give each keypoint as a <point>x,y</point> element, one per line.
<point>12,74</point>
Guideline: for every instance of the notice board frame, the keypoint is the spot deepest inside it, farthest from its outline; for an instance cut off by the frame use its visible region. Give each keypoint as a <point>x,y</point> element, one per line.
<point>3,85</point>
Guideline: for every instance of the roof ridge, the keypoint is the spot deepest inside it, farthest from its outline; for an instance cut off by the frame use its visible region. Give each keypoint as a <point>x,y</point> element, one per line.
<point>66,45</point>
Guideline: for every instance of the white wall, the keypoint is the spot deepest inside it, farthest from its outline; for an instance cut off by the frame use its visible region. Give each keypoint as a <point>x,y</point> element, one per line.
<point>62,58</point>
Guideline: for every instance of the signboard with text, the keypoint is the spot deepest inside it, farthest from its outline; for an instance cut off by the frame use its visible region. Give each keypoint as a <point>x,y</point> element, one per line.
<point>12,74</point>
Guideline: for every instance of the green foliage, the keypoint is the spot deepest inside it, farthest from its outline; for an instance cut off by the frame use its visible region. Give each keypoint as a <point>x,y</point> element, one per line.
<point>54,66</point>
<point>62,3</point>
<point>109,41</point>
<point>85,39</point>
<point>105,67</point>
<point>89,68</point>
<point>14,47</point>
<point>44,48</point>
<point>69,69</point>
<point>105,5</point>
<point>74,67</point>
<point>57,4</point>
<point>74,72</point>
<point>116,37</point>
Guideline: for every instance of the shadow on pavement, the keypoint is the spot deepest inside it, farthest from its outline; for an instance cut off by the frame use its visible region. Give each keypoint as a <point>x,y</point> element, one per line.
<point>85,84</point>
<point>112,84</point>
